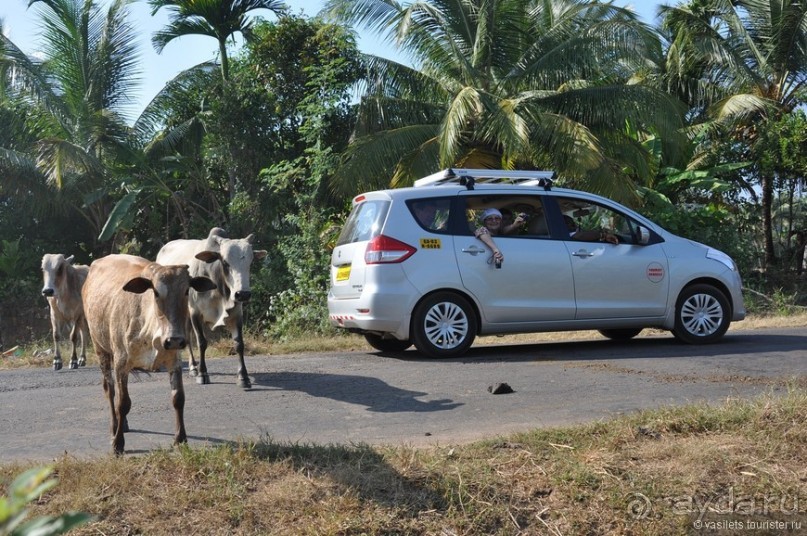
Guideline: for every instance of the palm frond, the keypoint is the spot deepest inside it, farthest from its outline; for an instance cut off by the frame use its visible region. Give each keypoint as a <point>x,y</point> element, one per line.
<point>20,175</point>
<point>742,107</point>
<point>463,110</point>
<point>175,92</point>
<point>59,157</point>
<point>372,161</point>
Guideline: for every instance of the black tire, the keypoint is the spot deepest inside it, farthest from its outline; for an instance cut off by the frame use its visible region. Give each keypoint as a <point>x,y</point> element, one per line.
<point>443,325</point>
<point>702,315</point>
<point>386,345</point>
<point>622,334</point>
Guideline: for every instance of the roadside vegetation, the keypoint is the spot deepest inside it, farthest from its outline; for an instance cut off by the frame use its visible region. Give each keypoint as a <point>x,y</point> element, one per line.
<point>697,122</point>
<point>666,471</point>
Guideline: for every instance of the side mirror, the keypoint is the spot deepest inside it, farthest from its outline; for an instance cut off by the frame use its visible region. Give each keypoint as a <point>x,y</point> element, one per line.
<point>644,235</point>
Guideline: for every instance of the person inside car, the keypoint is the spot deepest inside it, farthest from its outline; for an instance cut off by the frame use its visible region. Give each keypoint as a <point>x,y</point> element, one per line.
<point>492,225</point>
<point>592,235</point>
<point>427,213</point>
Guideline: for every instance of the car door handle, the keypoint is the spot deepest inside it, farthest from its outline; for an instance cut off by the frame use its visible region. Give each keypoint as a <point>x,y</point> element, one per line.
<point>474,250</point>
<point>582,254</point>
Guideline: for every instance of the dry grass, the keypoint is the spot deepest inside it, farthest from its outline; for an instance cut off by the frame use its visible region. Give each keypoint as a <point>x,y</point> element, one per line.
<point>656,472</point>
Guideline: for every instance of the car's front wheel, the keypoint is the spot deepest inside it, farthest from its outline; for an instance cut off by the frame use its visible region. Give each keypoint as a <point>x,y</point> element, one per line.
<point>386,345</point>
<point>623,334</point>
<point>702,315</point>
<point>443,325</point>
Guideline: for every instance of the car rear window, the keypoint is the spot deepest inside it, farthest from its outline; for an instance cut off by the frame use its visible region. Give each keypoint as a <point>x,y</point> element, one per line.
<point>364,222</point>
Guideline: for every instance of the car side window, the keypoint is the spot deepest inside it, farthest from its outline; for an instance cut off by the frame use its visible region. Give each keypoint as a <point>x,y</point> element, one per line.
<point>432,213</point>
<point>590,222</point>
<point>521,215</point>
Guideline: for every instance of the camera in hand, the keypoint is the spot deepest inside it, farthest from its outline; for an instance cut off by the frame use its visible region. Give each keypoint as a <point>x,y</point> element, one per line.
<point>497,263</point>
<point>524,216</point>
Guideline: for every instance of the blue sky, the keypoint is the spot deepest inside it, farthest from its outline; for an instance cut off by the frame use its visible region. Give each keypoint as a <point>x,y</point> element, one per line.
<point>20,25</point>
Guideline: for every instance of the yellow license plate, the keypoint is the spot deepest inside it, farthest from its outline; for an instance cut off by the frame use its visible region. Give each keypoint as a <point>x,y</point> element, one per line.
<point>343,273</point>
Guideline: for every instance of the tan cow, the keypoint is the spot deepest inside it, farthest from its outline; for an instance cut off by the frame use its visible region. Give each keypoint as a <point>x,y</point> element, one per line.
<point>226,261</point>
<point>62,282</point>
<point>137,312</point>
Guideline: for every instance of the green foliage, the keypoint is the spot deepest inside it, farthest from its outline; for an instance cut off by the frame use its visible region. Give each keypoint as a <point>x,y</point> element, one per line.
<point>782,146</point>
<point>12,259</point>
<point>298,73</point>
<point>18,273</point>
<point>508,84</point>
<point>26,488</point>
<point>299,306</point>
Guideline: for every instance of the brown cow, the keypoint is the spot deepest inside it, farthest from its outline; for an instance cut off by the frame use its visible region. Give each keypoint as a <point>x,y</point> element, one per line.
<point>133,329</point>
<point>62,282</point>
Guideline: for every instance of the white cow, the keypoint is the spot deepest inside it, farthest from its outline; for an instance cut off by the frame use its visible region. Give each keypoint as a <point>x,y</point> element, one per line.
<point>62,287</point>
<point>226,262</point>
<point>137,313</point>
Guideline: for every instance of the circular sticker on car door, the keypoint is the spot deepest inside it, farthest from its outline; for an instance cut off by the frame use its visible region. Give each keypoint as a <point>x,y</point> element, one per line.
<point>655,272</point>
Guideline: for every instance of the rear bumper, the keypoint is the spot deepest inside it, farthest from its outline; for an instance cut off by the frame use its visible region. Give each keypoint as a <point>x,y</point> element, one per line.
<point>374,312</point>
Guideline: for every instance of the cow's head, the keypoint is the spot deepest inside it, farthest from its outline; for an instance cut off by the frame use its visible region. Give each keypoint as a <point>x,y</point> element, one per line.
<point>169,286</point>
<point>54,266</point>
<point>231,273</point>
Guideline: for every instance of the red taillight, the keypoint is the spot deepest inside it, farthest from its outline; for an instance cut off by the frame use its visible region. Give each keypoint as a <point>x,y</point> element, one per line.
<point>385,250</point>
<point>358,199</point>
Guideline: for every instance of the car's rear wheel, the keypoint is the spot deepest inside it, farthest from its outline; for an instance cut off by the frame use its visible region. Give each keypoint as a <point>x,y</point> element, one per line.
<point>443,325</point>
<point>386,345</point>
<point>623,334</point>
<point>702,315</point>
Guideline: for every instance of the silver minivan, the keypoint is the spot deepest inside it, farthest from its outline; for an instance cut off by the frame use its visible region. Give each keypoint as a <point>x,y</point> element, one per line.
<point>408,268</point>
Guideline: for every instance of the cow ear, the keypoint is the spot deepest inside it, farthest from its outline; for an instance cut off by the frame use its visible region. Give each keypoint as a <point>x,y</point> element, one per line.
<point>138,285</point>
<point>260,253</point>
<point>208,256</point>
<point>69,259</point>
<point>202,284</point>
<point>250,238</point>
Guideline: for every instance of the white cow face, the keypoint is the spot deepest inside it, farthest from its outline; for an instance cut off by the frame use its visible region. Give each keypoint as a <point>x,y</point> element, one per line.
<point>231,273</point>
<point>54,266</point>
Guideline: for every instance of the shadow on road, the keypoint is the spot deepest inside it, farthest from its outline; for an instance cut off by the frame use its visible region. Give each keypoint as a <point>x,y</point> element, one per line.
<point>373,393</point>
<point>576,350</point>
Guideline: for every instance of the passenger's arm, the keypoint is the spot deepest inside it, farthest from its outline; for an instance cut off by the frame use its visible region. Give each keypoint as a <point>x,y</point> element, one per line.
<point>484,235</point>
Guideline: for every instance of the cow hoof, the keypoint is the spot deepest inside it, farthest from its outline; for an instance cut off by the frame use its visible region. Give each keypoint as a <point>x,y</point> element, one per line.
<point>82,362</point>
<point>57,365</point>
<point>193,373</point>
<point>73,365</point>
<point>244,383</point>
<point>204,379</point>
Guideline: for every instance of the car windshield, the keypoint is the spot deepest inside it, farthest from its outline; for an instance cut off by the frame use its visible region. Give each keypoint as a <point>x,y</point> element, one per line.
<point>364,222</point>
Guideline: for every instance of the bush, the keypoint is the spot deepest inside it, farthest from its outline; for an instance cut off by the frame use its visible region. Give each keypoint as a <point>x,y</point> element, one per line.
<point>28,487</point>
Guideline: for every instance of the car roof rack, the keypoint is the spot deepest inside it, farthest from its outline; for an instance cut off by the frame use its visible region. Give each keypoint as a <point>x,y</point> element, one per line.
<point>470,177</point>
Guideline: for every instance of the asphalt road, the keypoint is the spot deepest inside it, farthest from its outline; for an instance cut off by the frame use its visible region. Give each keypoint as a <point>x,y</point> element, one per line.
<point>357,397</point>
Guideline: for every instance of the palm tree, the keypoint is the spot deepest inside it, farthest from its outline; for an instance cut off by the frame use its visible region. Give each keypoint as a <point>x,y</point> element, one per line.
<point>82,88</point>
<point>752,54</point>
<point>220,19</point>
<point>505,83</point>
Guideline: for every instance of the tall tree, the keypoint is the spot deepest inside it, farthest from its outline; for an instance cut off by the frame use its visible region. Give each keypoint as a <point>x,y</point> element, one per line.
<point>505,83</point>
<point>82,87</point>
<point>752,57</point>
<point>220,19</point>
